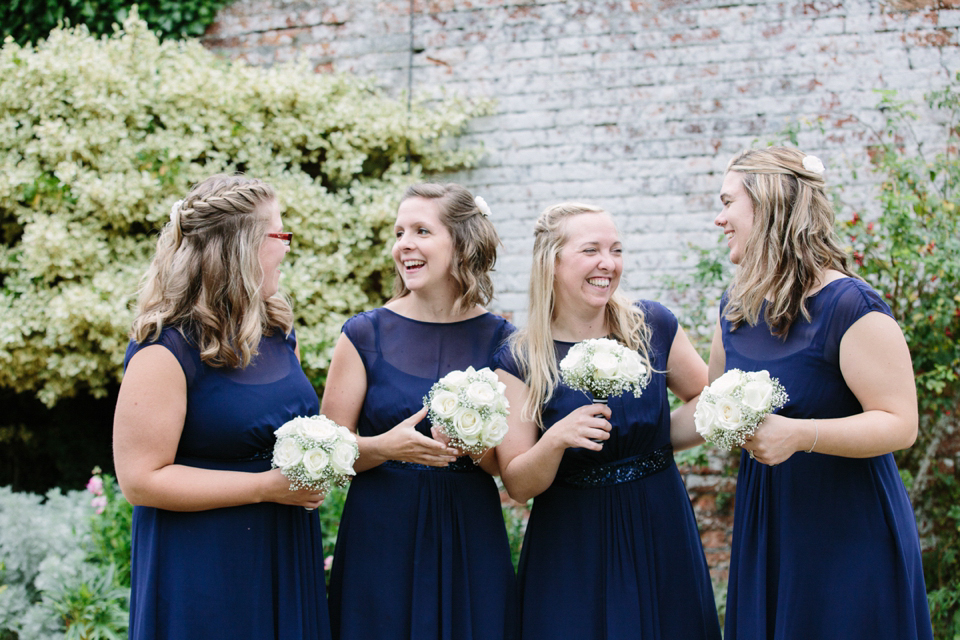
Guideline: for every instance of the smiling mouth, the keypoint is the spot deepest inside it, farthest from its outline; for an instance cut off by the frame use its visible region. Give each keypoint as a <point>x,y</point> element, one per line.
<point>599,282</point>
<point>411,265</point>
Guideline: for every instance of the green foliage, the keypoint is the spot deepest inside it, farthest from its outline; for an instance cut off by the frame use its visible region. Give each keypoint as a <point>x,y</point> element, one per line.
<point>111,531</point>
<point>47,586</point>
<point>330,513</point>
<point>98,137</point>
<point>27,21</point>
<point>911,253</point>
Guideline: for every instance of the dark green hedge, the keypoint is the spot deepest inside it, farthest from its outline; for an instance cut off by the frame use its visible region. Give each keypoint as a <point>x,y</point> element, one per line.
<point>30,20</point>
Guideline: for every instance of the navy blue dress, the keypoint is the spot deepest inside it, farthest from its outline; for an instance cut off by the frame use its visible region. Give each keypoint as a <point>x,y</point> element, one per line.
<point>422,552</point>
<point>823,546</point>
<point>612,549</point>
<point>253,571</point>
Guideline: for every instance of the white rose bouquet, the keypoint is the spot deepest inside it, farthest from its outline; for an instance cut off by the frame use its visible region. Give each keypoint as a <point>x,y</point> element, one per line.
<point>730,409</point>
<point>604,368</point>
<point>470,408</point>
<point>315,452</point>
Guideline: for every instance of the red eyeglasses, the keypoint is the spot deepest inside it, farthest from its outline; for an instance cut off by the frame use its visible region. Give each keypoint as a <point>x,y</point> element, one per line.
<point>286,237</point>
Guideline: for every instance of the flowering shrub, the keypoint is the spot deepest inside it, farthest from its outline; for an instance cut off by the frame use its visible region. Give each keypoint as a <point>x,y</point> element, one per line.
<point>98,137</point>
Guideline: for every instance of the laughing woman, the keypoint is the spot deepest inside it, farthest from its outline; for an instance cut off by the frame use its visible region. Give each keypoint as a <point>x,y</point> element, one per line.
<point>824,539</point>
<point>612,549</point>
<point>422,551</point>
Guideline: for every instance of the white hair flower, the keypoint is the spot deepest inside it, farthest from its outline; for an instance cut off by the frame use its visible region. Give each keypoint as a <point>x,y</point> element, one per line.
<point>174,210</point>
<point>813,165</point>
<point>482,205</point>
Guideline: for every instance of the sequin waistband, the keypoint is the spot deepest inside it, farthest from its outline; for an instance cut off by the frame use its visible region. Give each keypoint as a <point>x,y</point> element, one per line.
<point>462,464</point>
<point>620,471</point>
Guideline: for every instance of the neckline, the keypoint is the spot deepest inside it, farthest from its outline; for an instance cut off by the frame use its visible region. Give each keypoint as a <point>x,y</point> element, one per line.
<point>426,322</point>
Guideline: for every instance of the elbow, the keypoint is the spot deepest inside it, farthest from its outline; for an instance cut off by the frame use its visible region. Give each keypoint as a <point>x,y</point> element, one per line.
<point>516,491</point>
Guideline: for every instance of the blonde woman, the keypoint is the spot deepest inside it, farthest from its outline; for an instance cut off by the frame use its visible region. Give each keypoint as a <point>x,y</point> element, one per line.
<point>422,550</point>
<point>221,547</point>
<point>612,548</point>
<point>825,543</point>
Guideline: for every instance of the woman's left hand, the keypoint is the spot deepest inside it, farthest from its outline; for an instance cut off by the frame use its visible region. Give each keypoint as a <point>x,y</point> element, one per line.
<point>776,439</point>
<point>440,436</point>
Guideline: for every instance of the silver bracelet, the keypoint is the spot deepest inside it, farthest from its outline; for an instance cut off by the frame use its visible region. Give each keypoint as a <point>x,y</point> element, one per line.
<point>816,437</point>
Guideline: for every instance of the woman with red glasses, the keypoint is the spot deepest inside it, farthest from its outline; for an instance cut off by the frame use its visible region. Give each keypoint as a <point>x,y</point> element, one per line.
<point>222,548</point>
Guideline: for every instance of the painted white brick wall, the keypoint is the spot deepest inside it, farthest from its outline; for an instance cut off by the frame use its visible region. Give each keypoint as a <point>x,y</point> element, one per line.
<point>633,105</point>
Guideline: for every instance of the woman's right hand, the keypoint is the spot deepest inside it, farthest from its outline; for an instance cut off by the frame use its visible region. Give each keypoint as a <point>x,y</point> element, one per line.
<point>277,489</point>
<point>585,427</point>
<point>405,443</point>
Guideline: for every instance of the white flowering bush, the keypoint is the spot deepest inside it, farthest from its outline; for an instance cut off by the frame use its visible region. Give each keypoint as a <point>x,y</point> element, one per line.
<point>315,453</point>
<point>731,409</point>
<point>98,137</point>
<point>470,408</point>
<point>603,368</point>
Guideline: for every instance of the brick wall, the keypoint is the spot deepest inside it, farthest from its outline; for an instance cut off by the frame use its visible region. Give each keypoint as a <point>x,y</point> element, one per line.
<point>633,105</point>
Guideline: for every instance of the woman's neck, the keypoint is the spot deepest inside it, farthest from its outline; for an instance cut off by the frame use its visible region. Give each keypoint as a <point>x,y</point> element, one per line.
<point>438,309</point>
<point>569,327</point>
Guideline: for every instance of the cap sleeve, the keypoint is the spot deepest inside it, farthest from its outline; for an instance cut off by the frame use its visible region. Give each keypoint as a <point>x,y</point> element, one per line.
<point>171,339</point>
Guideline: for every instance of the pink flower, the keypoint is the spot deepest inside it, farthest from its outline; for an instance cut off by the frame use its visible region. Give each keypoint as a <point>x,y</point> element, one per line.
<point>328,563</point>
<point>99,503</point>
<point>95,486</point>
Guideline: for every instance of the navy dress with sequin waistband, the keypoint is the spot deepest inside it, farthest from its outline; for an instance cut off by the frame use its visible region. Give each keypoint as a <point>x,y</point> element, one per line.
<point>612,548</point>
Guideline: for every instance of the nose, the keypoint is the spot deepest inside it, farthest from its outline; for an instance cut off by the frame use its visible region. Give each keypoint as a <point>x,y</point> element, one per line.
<point>720,220</point>
<point>607,262</point>
<point>404,243</point>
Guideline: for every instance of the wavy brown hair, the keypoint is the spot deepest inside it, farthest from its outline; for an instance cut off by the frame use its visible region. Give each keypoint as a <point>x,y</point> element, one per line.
<point>532,347</point>
<point>475,243</point>
<point>205,277</point>
<point>792,243</point>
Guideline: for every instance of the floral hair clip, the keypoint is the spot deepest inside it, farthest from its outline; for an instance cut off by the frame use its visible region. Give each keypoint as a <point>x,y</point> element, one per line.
<point>813,165</point>
<point>174,210</point>
<point>482,205</point>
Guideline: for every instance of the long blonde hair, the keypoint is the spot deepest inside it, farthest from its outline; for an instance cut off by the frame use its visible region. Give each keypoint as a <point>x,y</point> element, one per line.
<point>792,243</point>
<point>205,277</point>
<point>475,244</point>
<point>532,347</point>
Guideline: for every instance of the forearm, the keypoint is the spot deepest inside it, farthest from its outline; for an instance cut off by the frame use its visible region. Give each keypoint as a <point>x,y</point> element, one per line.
<point>683,430</point>
<point>864,435</point>
<point>374,451</point>
<point>532,472</point>
<point>178,487</point>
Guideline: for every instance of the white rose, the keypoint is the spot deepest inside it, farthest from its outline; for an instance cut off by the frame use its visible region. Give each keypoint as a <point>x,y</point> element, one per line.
<point>728,414</point>
<point>705,418</point>
<point>631,366</point>
<point>487,374</point>
<point>725,384</point>
<point>288,429</point>
<point>343,457</point>
<point>605,345</point>
<point>573,358</point>
<point>455,379</point>
<point>287,453</point>
<point>502,406</point>
<point>468,425</point>
<point>444,403</point>
<point>606,365</point>
<point>813,164</point>
<point>498,430</point>
<point>481,393</point>
<point>315,462</point>
<point>346,434</point>
<point>757,395</point>
<point>318,430</point>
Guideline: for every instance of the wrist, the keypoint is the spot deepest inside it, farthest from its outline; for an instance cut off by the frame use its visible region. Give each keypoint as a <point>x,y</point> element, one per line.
<point>815,429</point>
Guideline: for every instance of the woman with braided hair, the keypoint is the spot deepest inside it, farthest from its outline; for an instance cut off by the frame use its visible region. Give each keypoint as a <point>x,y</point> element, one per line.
<point>222,548</point>
<point>825,543</point>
